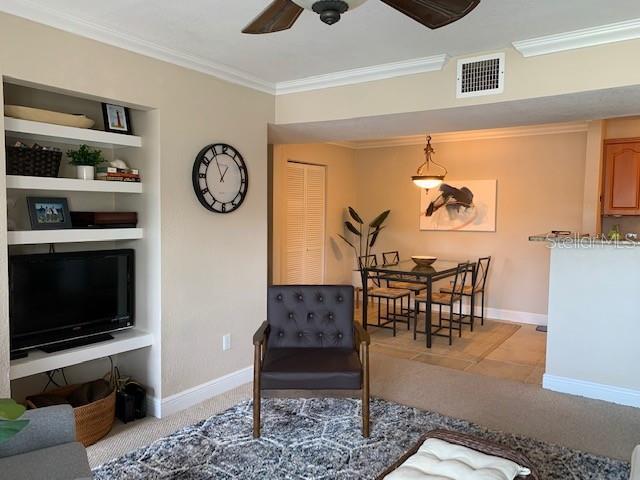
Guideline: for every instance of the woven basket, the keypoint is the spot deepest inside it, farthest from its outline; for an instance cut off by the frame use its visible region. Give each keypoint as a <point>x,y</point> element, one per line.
<point>33,162</point>
<point>93,421</point>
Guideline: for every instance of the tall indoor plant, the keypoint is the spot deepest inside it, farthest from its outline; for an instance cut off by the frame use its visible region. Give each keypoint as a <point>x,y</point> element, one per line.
<point>10,422</point>
<point>363,242</point>
<point>85,159</point>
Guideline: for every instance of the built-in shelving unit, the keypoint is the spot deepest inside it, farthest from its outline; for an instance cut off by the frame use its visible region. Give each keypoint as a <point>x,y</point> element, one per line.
<point>19,182</point>
<point>48,132</point>
<point>137,351</point>
<point>74,235</point>
<point>38,361</point>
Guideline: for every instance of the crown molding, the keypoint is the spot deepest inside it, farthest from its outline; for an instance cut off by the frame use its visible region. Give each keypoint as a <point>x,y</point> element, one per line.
<point>489,134</point>
<point>587,37</point>
<point>365,74</point>
<point>69,23</point>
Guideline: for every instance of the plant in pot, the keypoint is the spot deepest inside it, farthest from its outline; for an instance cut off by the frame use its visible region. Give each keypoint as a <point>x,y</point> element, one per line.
<point>10,421</point>
<point>85,160</point>
<point>362,242</point>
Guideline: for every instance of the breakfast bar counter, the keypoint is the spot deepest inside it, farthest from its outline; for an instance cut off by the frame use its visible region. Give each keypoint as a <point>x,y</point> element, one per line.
<point>593,342</point>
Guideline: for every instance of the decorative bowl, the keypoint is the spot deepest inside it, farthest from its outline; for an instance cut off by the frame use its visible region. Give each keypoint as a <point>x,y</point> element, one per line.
<point>423,260</point>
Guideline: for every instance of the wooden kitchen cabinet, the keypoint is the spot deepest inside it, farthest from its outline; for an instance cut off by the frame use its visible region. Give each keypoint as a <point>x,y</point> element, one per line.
<point>621,189</point>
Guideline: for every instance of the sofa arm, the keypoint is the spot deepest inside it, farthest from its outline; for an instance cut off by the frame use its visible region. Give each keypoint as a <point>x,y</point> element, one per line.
<point>47,427</point>
<point>635,464</point>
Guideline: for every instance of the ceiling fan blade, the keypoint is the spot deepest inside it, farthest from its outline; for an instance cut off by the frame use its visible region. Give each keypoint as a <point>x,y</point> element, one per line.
<point>280,15</point>
<point>434,13</point>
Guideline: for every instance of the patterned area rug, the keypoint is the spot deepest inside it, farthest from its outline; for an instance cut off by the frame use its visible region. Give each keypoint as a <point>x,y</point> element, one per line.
<point>320,439</point>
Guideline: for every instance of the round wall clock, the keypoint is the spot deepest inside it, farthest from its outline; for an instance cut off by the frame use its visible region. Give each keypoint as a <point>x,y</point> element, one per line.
<point>220,178</point>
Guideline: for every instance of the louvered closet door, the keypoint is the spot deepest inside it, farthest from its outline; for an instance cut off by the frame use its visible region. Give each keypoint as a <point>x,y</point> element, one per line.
<point>305,224</point>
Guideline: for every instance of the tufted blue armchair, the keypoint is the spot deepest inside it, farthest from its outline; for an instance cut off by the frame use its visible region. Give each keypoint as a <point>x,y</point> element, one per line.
<point>310,342</point>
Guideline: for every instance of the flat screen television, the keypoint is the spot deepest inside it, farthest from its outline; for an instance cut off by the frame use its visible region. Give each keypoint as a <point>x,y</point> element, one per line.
<point>56,298</point>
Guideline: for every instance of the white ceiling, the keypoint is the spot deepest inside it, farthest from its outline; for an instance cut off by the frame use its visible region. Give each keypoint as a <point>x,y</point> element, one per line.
<point>373,34</point>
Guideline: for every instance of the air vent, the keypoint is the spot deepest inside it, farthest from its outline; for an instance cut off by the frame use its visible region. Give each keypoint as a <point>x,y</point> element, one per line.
<point>480,76</point>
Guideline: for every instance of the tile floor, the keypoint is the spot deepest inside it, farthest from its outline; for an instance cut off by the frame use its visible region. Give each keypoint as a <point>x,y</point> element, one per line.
<point>498,349</point>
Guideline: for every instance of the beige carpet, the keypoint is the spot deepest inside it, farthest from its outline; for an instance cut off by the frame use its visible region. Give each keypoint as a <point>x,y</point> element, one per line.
<point>588,425</point>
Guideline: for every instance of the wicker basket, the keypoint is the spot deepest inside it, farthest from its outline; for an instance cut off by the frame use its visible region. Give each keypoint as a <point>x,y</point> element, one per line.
<point>33,162</point>
<point>93,421</point>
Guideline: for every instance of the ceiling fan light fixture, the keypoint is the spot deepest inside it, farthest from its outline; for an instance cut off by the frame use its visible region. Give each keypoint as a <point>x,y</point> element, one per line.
<point>427,176</point>
<point>330,11</point>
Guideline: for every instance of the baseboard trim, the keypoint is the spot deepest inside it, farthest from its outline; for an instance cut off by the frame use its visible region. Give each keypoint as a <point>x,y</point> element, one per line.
<point>516,316</point>
<point>200,393</point>
<point>597,391</point>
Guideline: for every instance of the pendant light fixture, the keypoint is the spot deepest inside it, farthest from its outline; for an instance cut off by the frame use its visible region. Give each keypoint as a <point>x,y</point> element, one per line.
<point>427,176</point>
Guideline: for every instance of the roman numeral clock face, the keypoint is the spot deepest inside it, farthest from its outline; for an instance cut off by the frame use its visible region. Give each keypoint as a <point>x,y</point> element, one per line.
<point>220,178</point>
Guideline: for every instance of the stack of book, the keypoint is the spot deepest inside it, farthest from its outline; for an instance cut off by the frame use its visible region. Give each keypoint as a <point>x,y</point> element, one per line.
<point>114,174</point>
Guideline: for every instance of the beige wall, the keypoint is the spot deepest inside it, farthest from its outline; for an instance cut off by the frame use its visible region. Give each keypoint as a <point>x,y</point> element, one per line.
<point>540,188</point>
<point>213,266</point>
<point>540,182</point>
<point>341,181</point>
<point>601,67</point>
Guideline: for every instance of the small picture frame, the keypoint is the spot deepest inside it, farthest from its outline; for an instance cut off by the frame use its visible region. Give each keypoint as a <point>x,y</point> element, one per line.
<point>48,213</point>
<point>116,119</point>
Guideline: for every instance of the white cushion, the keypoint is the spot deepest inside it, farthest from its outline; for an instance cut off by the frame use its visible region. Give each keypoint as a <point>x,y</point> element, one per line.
<point>440,460</point>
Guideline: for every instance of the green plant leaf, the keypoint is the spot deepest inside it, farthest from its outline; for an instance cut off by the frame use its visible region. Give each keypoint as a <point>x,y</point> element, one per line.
<point>85,156</point>
<point>374,237</point>
<point>352,229</point>
<point>347,241</point>
<point>8,428</point>
<point>355,216</point>
<point>376,230</point>
<point>10,410</point>
<point>380,219</point>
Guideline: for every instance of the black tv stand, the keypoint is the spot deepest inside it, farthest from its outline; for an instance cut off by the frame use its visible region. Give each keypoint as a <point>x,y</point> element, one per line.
<point>78,342</point>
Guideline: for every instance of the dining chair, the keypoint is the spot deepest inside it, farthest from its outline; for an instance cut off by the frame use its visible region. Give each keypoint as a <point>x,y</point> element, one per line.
<point>443,300</point>
<point>393,258</point>
<point>391,296</point>
<point>477,286</point>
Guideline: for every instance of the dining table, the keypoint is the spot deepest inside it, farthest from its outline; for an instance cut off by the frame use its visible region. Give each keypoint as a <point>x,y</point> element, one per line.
<point>409,272</point>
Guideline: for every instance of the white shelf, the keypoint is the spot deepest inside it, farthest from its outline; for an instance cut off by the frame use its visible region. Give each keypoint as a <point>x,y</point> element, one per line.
<point>38,361</point>
<point>48,132</point>
<point>32,237</point>
<point>20,182</point>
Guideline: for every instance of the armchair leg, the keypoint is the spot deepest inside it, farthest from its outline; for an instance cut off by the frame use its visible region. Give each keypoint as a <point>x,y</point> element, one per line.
<point>365,393</point>
<point>256,393</point>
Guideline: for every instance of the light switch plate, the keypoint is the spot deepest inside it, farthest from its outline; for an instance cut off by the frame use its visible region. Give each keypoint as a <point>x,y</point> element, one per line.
<point>226,342</point>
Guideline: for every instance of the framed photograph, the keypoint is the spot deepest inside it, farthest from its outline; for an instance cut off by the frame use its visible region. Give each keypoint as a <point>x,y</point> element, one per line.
<point>47,213</point>
<point>116,119</point>
<point>460,206</point>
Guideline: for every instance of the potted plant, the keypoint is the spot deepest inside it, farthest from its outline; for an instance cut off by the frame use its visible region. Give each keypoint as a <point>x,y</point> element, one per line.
<point>10,422</point>
<point>85,159</point>
<point>363,243</point>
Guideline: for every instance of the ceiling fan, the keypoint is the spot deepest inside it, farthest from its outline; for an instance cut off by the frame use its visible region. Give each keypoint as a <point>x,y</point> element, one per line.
<point>282,14</point>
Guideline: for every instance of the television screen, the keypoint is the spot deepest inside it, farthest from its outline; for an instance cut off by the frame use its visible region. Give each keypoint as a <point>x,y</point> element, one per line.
<point>55,297</point>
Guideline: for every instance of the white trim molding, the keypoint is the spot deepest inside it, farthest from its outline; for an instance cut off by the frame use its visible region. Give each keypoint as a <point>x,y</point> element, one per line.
<point>85,28</point>
<point>465,136</point>
<point>70,23</point>
<point>200,393</point>
<point>598,391</point>
<point>586,37</point>
<point>365,74</point>
<point>515,316</point>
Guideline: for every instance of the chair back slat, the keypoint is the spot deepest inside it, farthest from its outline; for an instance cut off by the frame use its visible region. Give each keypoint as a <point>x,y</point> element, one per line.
<point>391,258</point>
<point>368,261</point>
<point>482,270</point>
<point>460,278</point>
